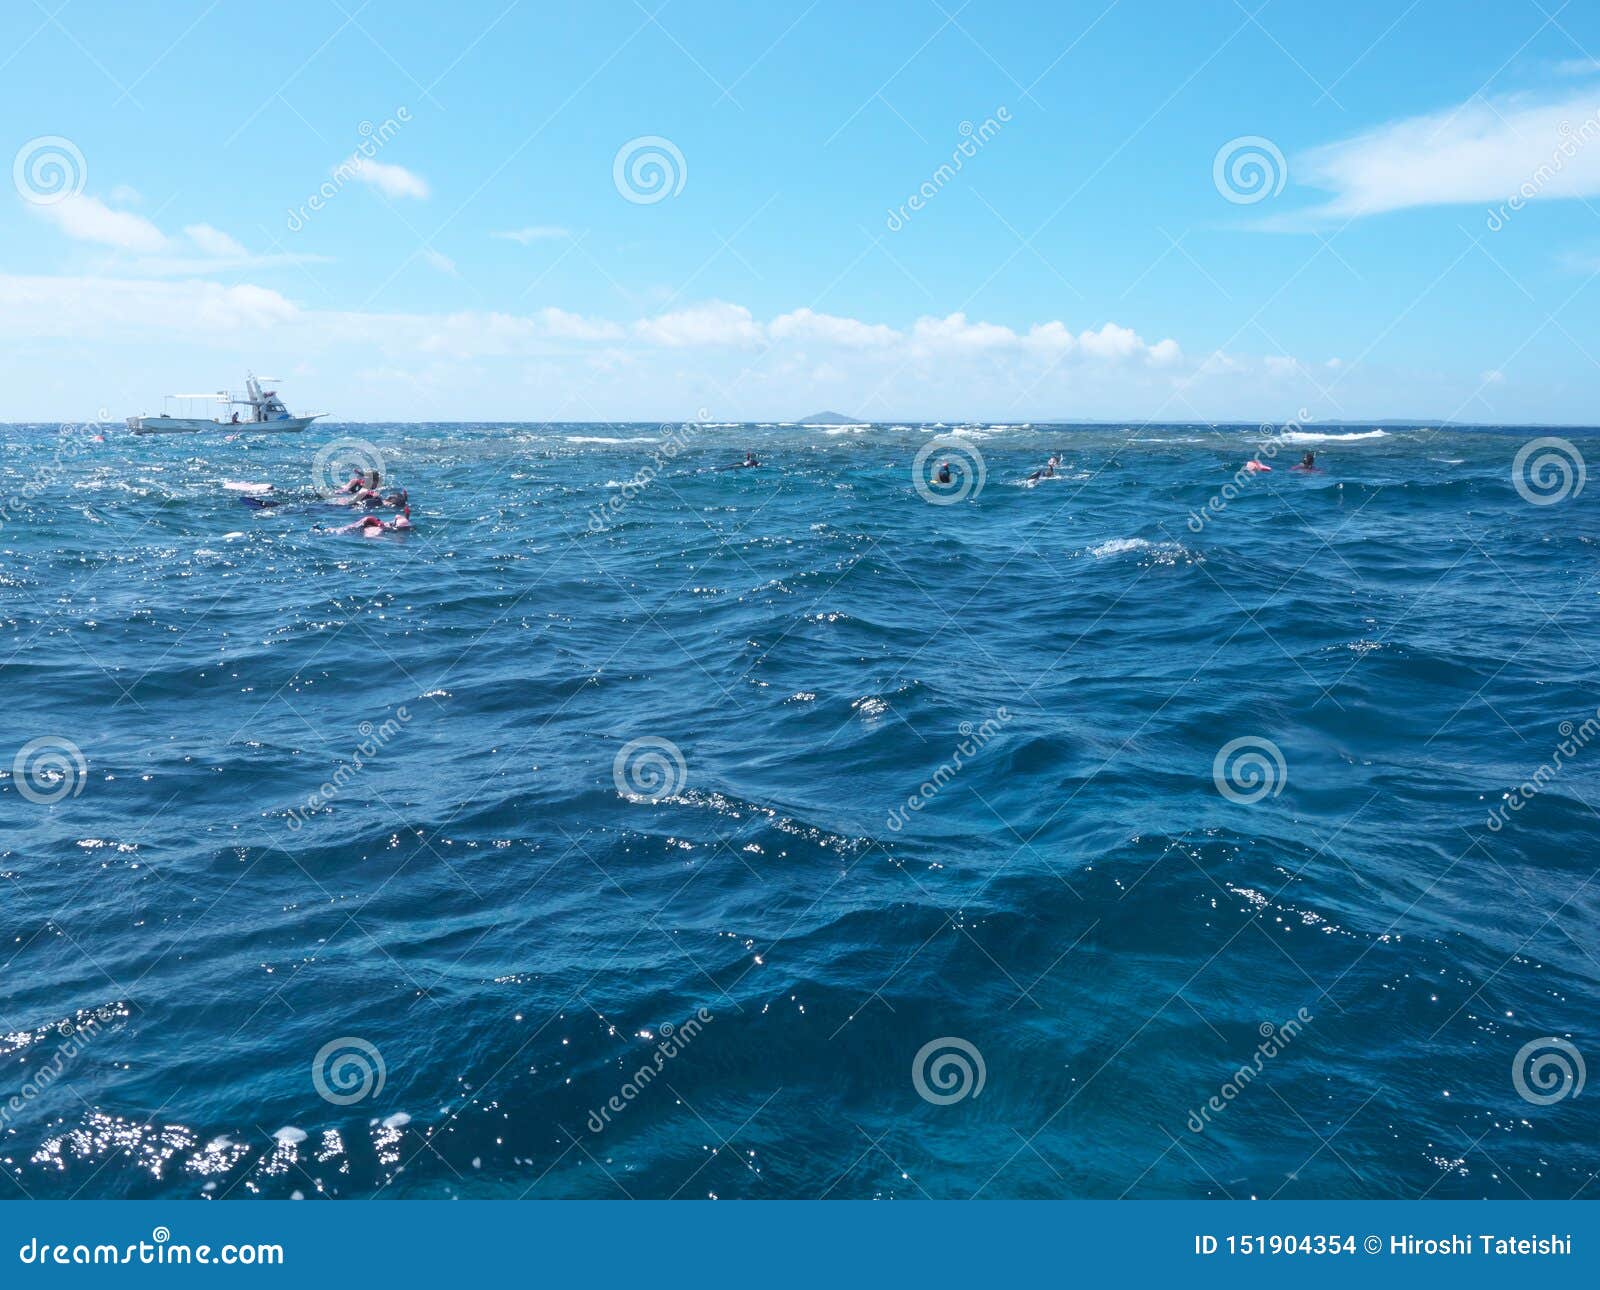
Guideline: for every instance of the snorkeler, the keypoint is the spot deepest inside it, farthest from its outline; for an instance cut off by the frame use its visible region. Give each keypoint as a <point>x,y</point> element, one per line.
<point>358,481</point>
<point>367,526</point>
<point>401,522</point>
<point>943,475</point>
<point>399,499</point>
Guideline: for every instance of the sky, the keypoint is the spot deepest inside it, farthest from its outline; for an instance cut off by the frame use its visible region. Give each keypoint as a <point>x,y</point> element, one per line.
<point>1251,210</point>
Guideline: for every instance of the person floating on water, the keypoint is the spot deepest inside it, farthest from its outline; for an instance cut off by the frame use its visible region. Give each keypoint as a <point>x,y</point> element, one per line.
<point>1048,471</point>
<point>358,481</point>
<point>1308,462</point>
<point>943,475</point>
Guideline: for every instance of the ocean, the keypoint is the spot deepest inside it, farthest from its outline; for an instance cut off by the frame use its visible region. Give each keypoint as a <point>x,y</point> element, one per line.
<point>638,828</point>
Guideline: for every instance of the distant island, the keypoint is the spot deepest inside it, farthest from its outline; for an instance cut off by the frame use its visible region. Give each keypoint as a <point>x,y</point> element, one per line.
<point>829,419</point>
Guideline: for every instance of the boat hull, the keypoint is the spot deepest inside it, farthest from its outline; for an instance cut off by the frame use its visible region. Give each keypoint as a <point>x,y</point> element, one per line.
<point>200,425</point>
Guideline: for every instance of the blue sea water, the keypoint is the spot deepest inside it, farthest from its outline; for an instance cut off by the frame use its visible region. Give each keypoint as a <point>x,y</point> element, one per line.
<point>1059,841</point>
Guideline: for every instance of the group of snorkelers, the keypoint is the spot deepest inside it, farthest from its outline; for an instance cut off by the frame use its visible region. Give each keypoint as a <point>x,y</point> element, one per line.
<point>366,489</point>
<point>942,475</point>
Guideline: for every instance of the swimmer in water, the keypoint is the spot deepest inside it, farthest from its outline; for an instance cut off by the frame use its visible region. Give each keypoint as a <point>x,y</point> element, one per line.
<point>1308,462</point>
<point>943,476</point>
<point>401,522</point>
<point>1049,471</point>
<point>399,499</point>
<point>358,481</point>
<point>367,526</point>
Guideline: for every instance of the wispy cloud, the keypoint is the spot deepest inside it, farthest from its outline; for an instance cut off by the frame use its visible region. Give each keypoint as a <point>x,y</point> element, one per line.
<point>391,181</point>
<point>533,233</point>
<point>1481,151</point>
<point>88,219</point>
<point>439,261</point>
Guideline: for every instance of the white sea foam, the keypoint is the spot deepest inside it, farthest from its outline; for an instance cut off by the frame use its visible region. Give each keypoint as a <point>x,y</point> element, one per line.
<point>600,438</point>
<point>1317,436</point>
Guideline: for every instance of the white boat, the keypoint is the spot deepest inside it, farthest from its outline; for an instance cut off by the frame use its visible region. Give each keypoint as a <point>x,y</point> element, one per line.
<point>267,413</point>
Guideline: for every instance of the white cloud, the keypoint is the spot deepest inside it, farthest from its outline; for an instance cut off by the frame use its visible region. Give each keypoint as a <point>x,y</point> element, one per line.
<point>88,219</point>
<point>534,233</point>
<point>804,325</point>
<point>391,181</point>
<point>1481,151</point>
<point>439,261</point>
<point>130,308</point>
<point>214,242</point>
<point>715,324</point>
<point>954,332</point>
<point>552,362</point>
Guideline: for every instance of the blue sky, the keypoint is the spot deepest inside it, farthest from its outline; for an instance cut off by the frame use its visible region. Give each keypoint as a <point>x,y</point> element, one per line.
<point>1090,257</point>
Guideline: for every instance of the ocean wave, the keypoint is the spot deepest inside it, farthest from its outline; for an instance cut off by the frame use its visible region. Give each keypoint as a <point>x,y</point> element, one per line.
<point>1331,436</point>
